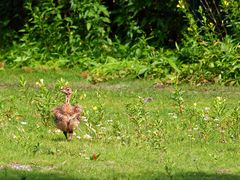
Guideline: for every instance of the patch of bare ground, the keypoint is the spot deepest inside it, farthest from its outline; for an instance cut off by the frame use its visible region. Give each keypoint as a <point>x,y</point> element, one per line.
<point>27,167</point>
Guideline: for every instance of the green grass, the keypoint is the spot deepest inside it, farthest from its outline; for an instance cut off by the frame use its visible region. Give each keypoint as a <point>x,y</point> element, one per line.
<point>135,140</point>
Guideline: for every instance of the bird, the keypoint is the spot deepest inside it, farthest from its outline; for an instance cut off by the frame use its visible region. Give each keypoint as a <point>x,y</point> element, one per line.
<point>67,116</point>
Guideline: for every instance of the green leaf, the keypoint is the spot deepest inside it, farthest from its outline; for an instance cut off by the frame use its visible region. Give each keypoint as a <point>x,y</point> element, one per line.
<point>138,52</point>
<point>105,19</point>
<point>143,71</point>
<point>89,26</point>
<point>172,63</point>
<point>104,10</point>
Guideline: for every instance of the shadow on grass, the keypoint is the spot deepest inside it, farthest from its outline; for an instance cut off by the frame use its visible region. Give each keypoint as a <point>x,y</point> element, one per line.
<point>10,174</point>
<point>183,176</point>
<point>202,175</point>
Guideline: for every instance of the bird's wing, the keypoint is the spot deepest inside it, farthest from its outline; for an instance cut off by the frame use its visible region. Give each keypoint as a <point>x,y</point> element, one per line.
<point>59,115</point>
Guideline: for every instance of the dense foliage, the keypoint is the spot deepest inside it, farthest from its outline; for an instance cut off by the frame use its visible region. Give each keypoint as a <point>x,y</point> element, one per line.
<point>196,41</point>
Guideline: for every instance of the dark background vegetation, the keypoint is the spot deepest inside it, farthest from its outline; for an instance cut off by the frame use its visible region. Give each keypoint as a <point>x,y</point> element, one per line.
<point>194,41</point>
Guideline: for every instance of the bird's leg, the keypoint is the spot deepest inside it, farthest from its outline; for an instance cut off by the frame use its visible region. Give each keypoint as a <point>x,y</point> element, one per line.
<point>65,134</point>
<point>70,135</point>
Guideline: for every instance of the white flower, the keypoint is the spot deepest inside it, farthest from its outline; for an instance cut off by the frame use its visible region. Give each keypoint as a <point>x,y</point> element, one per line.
<point>206,109</point>
<point>174,115</point>
<point>110,121</point>
<point>84,119</point>
<point>57,131</point>
<point>87,137</point>
<point>205,117</point>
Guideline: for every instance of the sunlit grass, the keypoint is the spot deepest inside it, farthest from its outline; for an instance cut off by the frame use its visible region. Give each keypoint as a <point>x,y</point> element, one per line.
<point>134,139</point>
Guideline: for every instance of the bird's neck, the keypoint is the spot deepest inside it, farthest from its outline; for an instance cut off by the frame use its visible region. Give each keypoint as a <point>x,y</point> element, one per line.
<point>67,101</point>
<point>67,104</point>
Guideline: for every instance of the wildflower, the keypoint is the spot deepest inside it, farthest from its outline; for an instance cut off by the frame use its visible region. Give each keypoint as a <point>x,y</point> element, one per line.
<point>205,117</point>
<point>83,96</point>
<point>110,121</point>
<point>23,123</point>
<point>225,2</point>
<point>57,131</point>
<point>63,82</point>
<point>95,108</point>
<point>173,115</point>
<point>181,4</point>
<point>84,119</point>
<point>40,83</point>
<point>220,100</point>
<point>206,109</point>
<point>87,137</point>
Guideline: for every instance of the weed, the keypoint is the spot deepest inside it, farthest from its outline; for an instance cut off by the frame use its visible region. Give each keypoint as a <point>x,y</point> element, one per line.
<point>36,148</point>
<point>138,115</point>
<point>95,119</point>
<point>156,134</point>
<point>44,101</point>
<point>177,97</point>
<point>234,123</point>
<point>219,107</point>
<point>22,82</point>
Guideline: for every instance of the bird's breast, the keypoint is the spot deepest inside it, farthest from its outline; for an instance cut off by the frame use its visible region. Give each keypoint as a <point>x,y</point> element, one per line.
<point>67,109</point>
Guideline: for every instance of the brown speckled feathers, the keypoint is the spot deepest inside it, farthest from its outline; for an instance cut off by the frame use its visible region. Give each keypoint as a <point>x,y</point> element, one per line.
<point>67,117</point>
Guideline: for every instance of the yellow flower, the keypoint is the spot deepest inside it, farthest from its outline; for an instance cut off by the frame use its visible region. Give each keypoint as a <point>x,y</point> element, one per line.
<point>181,4</point>
<point>40,83</point>
<point>226,2</point>
<point>83,96</point>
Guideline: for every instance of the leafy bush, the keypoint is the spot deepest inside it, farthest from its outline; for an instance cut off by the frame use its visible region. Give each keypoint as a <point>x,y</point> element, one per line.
<point>205,55</point>
<point>111,40</point>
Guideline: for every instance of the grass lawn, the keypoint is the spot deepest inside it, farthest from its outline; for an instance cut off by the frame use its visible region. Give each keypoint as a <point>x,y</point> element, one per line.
<point>138,130</point>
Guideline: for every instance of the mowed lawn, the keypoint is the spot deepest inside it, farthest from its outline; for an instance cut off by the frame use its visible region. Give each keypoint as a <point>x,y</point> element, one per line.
<point>131,129</point>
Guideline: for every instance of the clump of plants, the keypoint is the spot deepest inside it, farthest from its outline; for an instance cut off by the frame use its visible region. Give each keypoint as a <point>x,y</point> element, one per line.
<point>208,52</point>
<point>216,122</point>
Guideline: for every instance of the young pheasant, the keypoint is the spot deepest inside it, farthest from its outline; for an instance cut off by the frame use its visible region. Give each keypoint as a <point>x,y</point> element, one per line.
<point>67,117</point>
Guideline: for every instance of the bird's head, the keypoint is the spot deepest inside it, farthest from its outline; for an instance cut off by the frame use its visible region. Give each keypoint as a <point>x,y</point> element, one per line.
<point>66,90</point>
